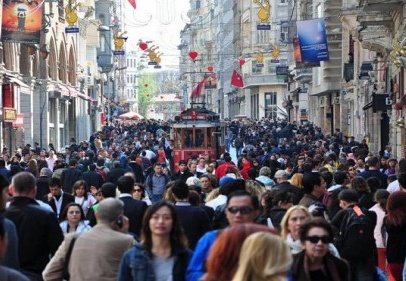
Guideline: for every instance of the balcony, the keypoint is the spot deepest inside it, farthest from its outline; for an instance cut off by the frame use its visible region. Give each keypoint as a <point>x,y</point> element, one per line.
<point>304,75</point>
<point>261,80</point>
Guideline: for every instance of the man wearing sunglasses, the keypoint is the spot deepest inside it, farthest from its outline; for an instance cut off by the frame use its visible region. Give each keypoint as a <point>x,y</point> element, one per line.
<point>241,207</point>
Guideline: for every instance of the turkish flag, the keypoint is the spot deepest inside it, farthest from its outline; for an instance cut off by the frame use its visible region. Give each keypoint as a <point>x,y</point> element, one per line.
<point>197,90</point>
<point>236,79</point>
<point>132,3</point>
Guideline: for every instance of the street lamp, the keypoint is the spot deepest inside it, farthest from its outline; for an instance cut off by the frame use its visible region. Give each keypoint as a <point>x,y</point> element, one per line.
<point>44,51</point>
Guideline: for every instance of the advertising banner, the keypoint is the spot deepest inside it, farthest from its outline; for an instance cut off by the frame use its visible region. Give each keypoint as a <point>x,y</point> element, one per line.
<point>313,40</point>
<point>22,21</point>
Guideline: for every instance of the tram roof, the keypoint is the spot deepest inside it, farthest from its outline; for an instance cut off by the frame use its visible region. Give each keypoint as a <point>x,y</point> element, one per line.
<point>195,125</point>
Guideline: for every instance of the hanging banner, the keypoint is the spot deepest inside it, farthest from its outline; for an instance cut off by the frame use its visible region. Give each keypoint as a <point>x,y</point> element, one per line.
<point>21,21</point>
<point>298,56</point>
<point>313,40</point>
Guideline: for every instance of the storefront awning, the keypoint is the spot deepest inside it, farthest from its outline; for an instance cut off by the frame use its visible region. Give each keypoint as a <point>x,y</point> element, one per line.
<point>18,82</point>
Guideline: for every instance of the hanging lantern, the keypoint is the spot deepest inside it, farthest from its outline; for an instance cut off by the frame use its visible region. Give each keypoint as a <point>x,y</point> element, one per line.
<point>242,61</point>
<point>143,46</point>
<point>193,55</point>
<point>210,68</point>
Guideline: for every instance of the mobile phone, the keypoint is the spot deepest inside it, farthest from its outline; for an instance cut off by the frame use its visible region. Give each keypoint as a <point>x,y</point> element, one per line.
<point>119,221</point>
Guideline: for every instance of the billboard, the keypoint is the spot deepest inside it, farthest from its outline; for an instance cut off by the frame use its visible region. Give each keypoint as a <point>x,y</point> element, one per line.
<point>313,40</point>
<point>21,21</point>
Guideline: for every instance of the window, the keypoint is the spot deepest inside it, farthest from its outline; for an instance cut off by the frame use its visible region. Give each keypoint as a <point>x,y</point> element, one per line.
<point>271,107</point>
<point>197,4</point>
<point>263,36</point>
<point>284,1</point>
<point>255,69</point>
<point>284,34</point>
<point>271,66</point>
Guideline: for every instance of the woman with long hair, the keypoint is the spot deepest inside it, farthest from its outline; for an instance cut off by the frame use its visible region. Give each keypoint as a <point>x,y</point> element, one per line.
<point>290,228</point>
<point>163,253</point>
<point>395,224</point>
<point>263,257</point>
<point>84,199</point>
<point>365,196</point>
<point>73,219</point>
<point>32,167</point>
<point>140,194</point>
<point>222,262</point>
<point>381,197</point>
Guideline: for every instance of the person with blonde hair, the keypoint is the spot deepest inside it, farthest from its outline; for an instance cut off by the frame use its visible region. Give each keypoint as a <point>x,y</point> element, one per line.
<point>290,228</point>
<point>296,180</point>
<point>263,257</point>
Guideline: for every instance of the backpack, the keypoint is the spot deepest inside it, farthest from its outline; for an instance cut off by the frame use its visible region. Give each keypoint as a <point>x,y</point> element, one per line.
<point>330,200</point>
<point>101,172</point>
<point>356,239</point>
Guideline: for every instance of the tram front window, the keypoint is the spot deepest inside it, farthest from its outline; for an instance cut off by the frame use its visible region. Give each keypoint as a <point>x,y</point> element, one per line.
<point>199,138</point>
<point>188,138</point>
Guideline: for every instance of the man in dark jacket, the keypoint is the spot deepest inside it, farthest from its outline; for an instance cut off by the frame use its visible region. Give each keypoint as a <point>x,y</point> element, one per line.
<point>194,220</point>
<point>115,173</point>
<point>39,234</point>
<point>183,173</point>
<point>70,176</point>
<point>134,209</point>
<point>92,178</point>
<point>56,198</point>
<point>282,183</point>
<point>360,255</point>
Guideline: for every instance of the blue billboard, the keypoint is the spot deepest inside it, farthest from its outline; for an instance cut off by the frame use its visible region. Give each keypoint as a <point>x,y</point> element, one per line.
<point>313,40</point>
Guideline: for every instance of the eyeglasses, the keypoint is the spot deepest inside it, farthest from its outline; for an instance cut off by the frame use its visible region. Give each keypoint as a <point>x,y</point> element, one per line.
<point>242,210</point>
<point>137,190</point>
<point>316,239</point>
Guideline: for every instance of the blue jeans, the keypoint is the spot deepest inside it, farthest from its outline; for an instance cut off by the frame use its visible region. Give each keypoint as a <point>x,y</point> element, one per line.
<point>156,198</point>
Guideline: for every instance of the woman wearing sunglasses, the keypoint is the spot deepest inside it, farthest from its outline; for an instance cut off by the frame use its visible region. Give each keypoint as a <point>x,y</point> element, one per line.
<point>315,262</point>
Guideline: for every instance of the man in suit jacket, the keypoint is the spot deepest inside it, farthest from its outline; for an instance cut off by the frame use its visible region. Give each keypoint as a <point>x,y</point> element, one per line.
<point>96,254</point>
<point>70,176</point>
<point>56,198</point>
<point>133,209</point>
<point>39,234</point>
<point>194,220</point>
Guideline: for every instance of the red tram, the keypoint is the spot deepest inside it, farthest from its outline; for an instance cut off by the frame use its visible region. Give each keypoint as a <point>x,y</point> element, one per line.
<point>197,131</point>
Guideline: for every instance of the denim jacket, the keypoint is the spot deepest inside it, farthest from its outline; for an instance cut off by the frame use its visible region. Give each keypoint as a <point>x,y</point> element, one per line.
<point>136,265</point>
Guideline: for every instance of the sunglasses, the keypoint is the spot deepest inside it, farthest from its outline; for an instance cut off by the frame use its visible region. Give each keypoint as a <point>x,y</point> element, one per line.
<point>242,210</point>
<point>316,239</point>
<point>137,190</point>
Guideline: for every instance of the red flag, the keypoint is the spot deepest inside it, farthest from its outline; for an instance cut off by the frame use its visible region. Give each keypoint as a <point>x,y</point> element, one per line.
<point>132,3</point>
<point>197,90</point>
<point>236,79</point>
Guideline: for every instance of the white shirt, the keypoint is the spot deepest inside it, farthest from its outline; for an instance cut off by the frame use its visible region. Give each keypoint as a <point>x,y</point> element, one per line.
<point>218,201</point>
<point>393,186</point>
<point>51,162</point>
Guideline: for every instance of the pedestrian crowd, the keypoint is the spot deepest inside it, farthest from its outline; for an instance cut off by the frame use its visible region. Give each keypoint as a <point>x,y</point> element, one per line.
<point>294,205</point>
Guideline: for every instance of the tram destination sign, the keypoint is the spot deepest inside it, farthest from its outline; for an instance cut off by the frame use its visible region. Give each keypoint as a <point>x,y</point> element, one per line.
<point>194,116</point>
